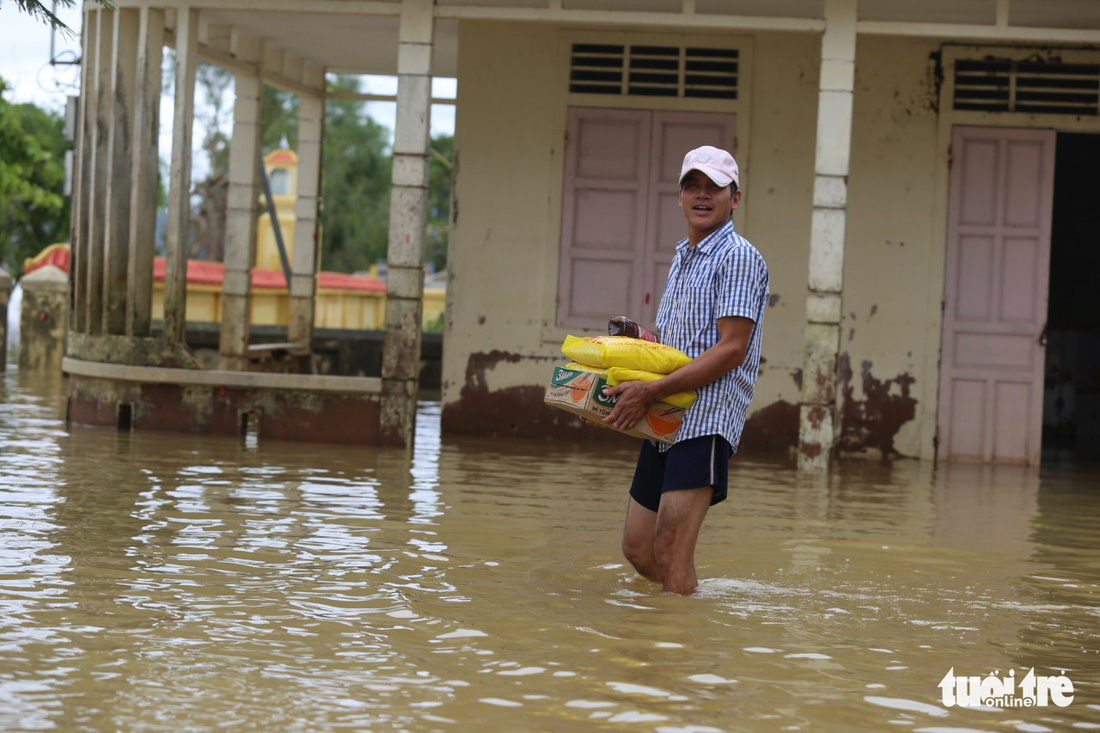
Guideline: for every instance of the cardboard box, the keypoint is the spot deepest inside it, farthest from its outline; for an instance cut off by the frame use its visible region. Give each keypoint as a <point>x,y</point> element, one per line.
<point>582,394</point>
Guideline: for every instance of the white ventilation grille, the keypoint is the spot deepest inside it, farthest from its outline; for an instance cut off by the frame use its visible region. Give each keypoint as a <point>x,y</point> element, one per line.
<point>1005,85</point>
<point>654,71</point>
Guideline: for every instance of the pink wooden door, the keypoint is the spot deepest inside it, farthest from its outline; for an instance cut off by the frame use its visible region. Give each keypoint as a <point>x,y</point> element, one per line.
<point>674,133</point>
<point>995,301</point>
<point>603,215</point>
<point>620,215</point>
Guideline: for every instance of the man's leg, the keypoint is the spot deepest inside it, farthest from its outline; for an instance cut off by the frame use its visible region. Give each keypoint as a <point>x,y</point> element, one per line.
<point>679,519</point>
<point>638,537</point>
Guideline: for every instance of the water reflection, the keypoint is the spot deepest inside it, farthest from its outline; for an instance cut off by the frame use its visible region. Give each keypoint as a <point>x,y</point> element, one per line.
<point>174,581</point>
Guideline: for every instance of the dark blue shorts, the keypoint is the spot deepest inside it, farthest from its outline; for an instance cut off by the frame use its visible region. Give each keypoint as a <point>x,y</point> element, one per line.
<point>692,464</point>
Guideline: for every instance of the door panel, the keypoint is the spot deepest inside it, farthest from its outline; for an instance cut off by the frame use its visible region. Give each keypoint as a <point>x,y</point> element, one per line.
<point>603,215</point>
<point>621,217</point>
<point>995,299</point>
<point>675,133</point>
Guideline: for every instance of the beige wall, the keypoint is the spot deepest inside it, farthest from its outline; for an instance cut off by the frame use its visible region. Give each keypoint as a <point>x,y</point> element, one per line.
<point>506,158</point>
<point>510,126</point>
<point>893,270</point>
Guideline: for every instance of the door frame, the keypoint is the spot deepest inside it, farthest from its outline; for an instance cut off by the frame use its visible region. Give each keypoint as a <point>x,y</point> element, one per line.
<point>928,401</point>
<point>550,334</point>
<point>1033,439</point>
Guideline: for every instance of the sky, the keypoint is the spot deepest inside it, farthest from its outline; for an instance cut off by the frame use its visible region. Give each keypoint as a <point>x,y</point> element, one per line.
<point>25,58</point>
<point>26,69</point>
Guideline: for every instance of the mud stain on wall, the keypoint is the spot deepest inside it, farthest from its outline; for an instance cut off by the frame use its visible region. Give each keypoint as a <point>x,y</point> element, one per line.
<point>772,428</point>
<point>874,421</point>
<point>514,411</point>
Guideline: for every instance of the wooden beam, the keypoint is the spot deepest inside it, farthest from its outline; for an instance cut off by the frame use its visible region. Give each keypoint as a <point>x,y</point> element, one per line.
<point>143,204</point>
<point>233,62</point>
<point>357,97</point>
<point>82,175</point>
<point>177,240</point>
<point>978,32</point>
<point>669,21</point>
<point>120,157</point>
<point>313,7</point>
<point>100,169</point>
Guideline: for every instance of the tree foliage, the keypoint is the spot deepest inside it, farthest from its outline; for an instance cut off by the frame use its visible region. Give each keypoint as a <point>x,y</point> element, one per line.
<point>34,213</point>
<point>356,172</point>
<point>38,10</point>
<point>440,175</point>
<point>212,192</point>
<point>356,189</point>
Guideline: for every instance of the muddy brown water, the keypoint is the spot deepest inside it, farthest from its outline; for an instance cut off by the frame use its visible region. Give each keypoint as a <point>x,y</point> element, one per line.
<point>179,582</point>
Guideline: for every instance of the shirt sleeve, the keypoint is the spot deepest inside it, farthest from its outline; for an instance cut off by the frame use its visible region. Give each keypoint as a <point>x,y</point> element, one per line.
<point>742,285</point>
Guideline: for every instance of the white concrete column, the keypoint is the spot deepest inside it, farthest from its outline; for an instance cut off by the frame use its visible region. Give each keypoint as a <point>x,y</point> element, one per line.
<point>143,201</point>
<point>303,282</point>
<point>240,219</point>
<point>120,164</point>
<point>179,188</point>
<point>818,423</point>
<point>100,169</point>
<point>408,225</point>
<point>82,168</point>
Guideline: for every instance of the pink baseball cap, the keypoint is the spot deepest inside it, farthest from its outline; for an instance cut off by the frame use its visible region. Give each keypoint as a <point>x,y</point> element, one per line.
<point>718,165</point>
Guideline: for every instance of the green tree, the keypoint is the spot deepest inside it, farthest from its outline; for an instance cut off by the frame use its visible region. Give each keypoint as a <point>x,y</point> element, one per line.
<point>212,192</point>
<point>440,175</point>
<point>356,188</point>
<point>279,112</point>
<point>34,212</point>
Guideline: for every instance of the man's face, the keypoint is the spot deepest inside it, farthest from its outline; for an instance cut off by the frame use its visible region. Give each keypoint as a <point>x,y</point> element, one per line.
<point>706,206</point>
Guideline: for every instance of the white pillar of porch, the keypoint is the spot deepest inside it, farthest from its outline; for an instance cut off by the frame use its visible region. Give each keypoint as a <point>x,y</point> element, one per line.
<point>408,225</point>
<point>176,242</point>
<point>240,220</point>
<point>818,414</point>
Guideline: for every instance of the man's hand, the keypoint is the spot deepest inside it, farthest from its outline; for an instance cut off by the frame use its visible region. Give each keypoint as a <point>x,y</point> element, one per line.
<point>634,401</point>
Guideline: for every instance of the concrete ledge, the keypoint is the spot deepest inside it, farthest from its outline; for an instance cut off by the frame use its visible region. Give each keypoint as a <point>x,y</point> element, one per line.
<point>219,378</point>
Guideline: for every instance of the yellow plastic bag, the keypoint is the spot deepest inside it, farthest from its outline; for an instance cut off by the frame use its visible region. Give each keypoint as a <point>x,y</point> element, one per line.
<point>585,368</point>
<point>623,351</point>
<point>618,375</point>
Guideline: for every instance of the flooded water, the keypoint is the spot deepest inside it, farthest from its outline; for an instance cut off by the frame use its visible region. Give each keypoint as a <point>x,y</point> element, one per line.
<point>171,582</point>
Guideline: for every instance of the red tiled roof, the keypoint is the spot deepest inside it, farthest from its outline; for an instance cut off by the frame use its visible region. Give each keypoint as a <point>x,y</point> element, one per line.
<point>212,273</point>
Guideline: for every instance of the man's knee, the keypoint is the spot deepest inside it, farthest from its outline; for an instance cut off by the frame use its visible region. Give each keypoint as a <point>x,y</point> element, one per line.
<point>636,551</point>
<point>640,555</point>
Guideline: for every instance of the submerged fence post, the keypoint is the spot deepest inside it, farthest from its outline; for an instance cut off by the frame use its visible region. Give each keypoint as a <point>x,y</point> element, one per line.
<point>44,320</point>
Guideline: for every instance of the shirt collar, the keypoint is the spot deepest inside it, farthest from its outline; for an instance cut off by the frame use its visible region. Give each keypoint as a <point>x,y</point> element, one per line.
<point>707,245</point>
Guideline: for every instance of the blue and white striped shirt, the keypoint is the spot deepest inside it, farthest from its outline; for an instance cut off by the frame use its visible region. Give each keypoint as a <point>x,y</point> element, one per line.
<point>724,275</point>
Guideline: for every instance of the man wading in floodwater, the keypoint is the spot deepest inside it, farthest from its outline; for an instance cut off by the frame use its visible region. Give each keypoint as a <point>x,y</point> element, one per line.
<point>712,310</point>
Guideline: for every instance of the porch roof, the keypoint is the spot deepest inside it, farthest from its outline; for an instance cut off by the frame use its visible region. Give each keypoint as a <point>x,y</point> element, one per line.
<point>361,36</point>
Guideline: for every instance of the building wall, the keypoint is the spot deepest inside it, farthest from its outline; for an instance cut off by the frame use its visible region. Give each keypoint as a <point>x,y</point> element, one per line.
<point>494,358</point>
<point>893,269</point>
<point>501,340</point>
